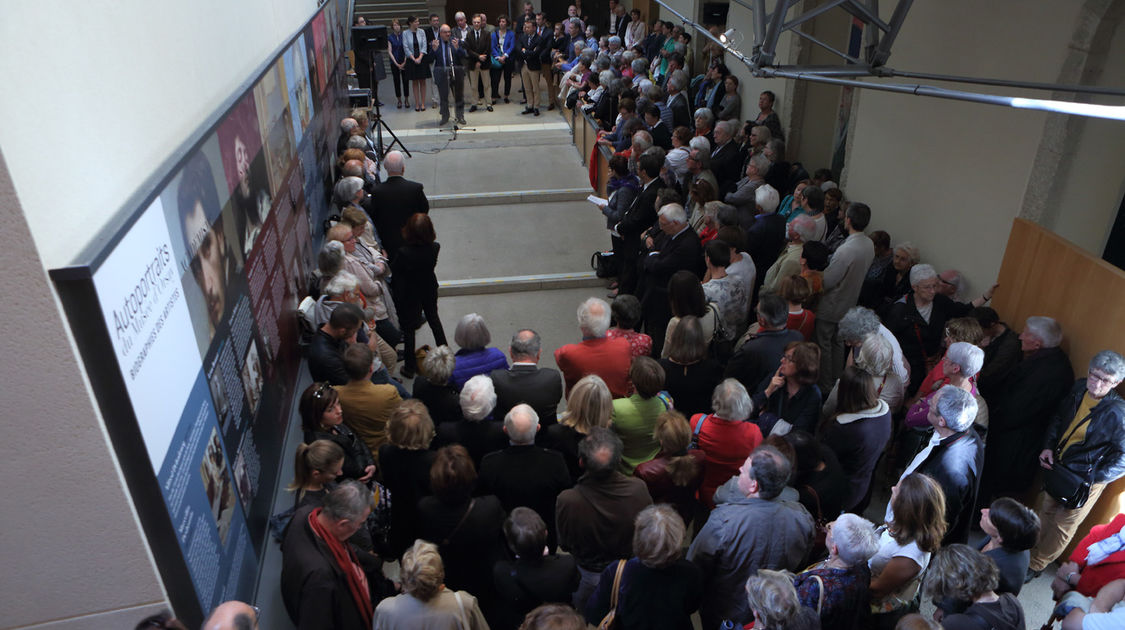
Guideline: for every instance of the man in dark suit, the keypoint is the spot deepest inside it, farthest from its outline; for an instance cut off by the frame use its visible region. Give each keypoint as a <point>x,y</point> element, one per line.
<point>639,217</point>
<point>530,52</point>
<point>954,457</point>
<point>661,134</point>
<point>655,40</point>
<point>478,46</point>
<point>676,248</point>
<point>525,474</point>
<point>394,201</point>
<point>618,19</point>
<point>761,354</point>
<point>526,382</point>
<point>725,161</point>
<point>766,236</point>
<point>677,101</point>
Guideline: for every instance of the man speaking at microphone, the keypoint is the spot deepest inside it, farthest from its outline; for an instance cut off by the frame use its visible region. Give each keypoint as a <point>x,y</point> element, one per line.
<point>448,67</point>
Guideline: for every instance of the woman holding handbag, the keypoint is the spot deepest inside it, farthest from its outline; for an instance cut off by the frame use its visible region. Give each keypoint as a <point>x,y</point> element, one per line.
<point>657,588</point>
<point>836,588</point>
<point>1085,452</point>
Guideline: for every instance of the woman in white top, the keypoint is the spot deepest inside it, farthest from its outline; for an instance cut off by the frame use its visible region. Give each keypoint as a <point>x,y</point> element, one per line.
<point>425,603</point>
<point>636,30</point>
<point>905,546</point>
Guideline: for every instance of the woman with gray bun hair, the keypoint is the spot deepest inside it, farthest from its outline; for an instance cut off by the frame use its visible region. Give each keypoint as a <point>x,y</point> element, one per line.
<point>658,588</point>
<point>474,357</point>
<point>836,588</point>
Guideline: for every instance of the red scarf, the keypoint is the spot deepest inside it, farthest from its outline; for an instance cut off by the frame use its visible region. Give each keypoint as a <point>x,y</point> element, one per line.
<point>345,559</point>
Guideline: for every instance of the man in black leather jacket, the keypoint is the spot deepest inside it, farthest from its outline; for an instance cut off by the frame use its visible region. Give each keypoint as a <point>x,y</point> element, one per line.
<point>1086,434</point>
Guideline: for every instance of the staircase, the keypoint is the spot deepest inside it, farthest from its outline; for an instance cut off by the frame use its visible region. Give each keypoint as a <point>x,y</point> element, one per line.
<point>380,12</point>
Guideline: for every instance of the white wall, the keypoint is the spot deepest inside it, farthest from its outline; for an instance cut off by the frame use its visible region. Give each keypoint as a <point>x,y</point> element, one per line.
<point>948,175</point>
<point>99,93</point>
<point>1094,183</point>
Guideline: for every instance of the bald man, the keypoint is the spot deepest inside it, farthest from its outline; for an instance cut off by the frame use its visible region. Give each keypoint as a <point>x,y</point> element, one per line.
<point>525,474</point>
<point>394,201</point>
<point>232,615</point>
<point>526,382</point>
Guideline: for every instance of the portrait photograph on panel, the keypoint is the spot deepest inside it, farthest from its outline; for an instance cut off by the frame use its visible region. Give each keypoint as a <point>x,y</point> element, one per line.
<point>316,85</point>
<point>219,398</point>
<point>252,380</point>
<point>318,44</point>
<point>275,123</point>
<point>242,480</point>
<point>216,482</point>
<point>244,164</point>
<point>297,83</point>
<point>193,207</point>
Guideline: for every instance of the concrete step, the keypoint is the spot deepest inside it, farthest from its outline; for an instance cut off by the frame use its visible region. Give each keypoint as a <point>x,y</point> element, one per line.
<point>516,284</point>
<point>464,169</point>
<point>527,239</point>
<point>465,200</point>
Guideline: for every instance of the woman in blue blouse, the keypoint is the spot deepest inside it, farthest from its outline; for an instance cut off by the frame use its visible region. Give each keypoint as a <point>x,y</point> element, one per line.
<point>397,54</point>
<point>417,70</point>
<point>503,43</point>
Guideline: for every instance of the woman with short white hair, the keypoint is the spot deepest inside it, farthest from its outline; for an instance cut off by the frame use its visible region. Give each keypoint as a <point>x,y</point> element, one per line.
<point>477,432</point>
<point>918,321</point>
<point>425,602</point>
<point>961,363</point>
<point>836,588</point>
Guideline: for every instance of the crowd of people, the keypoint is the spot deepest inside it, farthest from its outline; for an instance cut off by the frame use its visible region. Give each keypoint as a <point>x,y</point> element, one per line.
<point>762,370</point>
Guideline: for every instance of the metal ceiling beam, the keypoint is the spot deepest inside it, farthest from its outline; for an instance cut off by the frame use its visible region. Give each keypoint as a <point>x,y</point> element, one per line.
<point>879,41</point>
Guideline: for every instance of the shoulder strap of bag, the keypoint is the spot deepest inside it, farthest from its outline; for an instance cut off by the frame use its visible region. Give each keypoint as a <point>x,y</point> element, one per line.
<point>616,584</point>
<point>816,496</point>
<point>699,426</point>
<point>820,597</point>
<point>457,528</point>
<point>464,622</point>
<point>1060,443</point>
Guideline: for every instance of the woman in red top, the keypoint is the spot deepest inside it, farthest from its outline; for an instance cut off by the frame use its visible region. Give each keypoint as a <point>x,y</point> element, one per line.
<point>1087,573</point>
<point>795,290</point>
<point>626,310</point>
<point>726,436</point>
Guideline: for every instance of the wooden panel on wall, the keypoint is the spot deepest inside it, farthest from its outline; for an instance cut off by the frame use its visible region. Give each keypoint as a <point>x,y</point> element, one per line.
<point>1044,274</point>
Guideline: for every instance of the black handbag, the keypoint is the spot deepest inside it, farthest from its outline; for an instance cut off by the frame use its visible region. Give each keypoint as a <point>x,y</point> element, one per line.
<point>1068,484</point>
<point>605,264</point>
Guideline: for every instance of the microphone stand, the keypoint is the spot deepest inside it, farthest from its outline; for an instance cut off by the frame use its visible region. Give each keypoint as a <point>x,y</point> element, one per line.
<point>451,76</point>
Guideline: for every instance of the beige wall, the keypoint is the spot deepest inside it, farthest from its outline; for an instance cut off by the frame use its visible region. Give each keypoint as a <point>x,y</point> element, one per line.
<point>90,112</point>
<point>100,93</point>
<point>948,175</point>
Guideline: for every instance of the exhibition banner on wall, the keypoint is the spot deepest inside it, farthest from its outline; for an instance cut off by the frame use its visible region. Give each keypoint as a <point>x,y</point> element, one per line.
<point>187,324</point>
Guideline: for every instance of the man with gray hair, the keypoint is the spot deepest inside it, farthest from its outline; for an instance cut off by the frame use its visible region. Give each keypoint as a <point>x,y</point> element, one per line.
<point>675,248</point>
<point>726,163</point>
<point>525,381</point>
<point>394,201</point>
<point>609,358</point>
<point>595,517</point>
<point>677,99</point>
<point>757,529</point>
<point>346,126</point>
<point>953,456</point>
<point>743,196</point>
<point>799,231</point>
<point>326,582</point>
<point>523,473</point>
<point>1023,409</point>
<point>1087,433</point>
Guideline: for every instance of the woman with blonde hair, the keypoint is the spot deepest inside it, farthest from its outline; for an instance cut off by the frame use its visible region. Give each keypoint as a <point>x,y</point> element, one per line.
<point>589,405</point>
<point>405,462</point>
<point>773,600</point>
<point>425,603</point>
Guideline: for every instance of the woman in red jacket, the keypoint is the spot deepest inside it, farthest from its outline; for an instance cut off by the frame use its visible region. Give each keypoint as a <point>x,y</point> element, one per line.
<point>726,436</point>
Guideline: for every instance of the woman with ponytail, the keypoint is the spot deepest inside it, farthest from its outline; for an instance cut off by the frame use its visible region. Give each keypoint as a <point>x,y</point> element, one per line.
<point>316,466</point>
<point>676,473</point>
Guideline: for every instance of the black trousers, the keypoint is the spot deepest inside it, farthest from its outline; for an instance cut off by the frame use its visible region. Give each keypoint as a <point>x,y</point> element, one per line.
<point>494,74</point>
<point>429,307</point>
<point>400,81</point>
